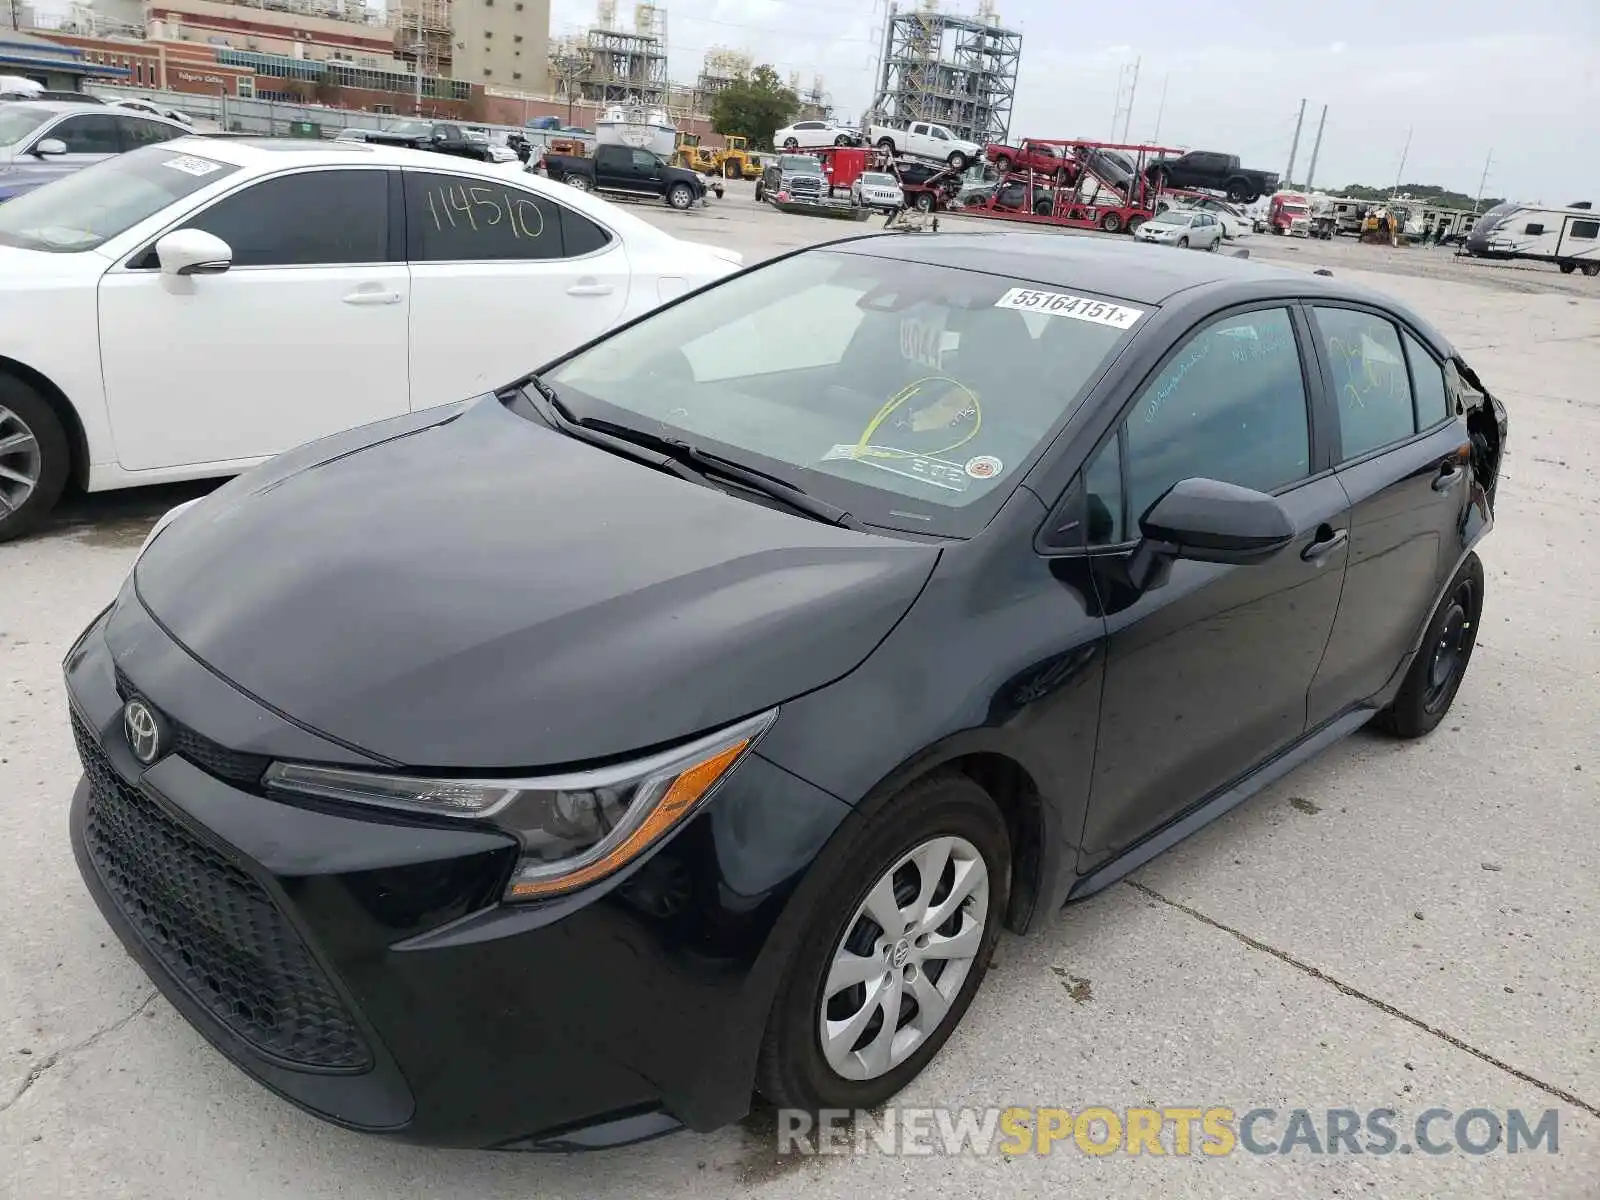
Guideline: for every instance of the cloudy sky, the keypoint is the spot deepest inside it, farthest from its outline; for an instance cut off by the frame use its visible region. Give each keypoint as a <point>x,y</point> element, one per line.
<point>1518,77</point>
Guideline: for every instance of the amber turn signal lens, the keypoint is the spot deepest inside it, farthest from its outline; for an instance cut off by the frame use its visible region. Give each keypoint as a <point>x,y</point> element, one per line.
<point>675,804</point>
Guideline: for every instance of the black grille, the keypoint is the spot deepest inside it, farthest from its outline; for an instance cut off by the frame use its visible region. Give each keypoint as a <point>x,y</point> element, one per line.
<point>231,766</point>
<point>212,926</point>
<point>803,185</point>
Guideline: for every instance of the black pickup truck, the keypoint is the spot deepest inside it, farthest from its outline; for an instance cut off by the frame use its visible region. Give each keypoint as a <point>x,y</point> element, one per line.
<point>442,137</point>
<point>1214,172</point>
<point>627,170</point>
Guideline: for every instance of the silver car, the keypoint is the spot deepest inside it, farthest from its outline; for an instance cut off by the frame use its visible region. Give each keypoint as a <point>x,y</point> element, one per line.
<point>878,190</point>
<point>46,139</point>
<point>1184,228</point>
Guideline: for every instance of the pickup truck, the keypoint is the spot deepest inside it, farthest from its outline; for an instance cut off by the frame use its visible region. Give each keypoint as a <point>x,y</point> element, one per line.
<point>628,170</point>
<point>1214,172</point>
<point>1055,161</point>
<point>442,137</point>
<point>925,140</point>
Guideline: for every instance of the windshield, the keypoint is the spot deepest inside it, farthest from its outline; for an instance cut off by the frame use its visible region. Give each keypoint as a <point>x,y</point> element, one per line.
<point>410,129</point>
<point>873,179</point>
<point>800,162</point>
<point>1295,210</point>
<point>18,121</point>
<point>912,396</point>
<point>84,209</point>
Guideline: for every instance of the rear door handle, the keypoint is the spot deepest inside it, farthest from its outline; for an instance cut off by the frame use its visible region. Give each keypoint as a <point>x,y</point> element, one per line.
<point>1324,546</point>
<point>590,289</point>
<point>368,298</point>
<point>1449,475</point>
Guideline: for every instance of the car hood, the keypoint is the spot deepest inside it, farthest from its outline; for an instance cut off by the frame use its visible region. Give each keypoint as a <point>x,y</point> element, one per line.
<point>478,592</point>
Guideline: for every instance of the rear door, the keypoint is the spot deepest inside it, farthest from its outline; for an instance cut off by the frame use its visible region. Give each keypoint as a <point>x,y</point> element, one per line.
<point>503,280</point>
<point>1401,451</point>
<point>1206,676</point>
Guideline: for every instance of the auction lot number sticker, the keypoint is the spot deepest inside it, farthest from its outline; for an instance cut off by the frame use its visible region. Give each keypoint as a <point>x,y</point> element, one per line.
<point>1062,304</point>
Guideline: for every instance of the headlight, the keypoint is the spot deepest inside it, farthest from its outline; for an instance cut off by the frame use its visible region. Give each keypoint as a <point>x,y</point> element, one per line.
<point>573,829</point>
<point>166,518</point>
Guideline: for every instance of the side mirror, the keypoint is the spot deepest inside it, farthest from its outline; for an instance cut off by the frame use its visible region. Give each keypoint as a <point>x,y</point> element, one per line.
<point>193,252</point>
<point>1205,520</point>
<point>49,148</point>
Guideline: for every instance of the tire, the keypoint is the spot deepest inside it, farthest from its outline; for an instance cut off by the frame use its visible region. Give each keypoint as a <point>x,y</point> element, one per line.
<point>957,161</point>
<point>1042,208</point>
<point>841,140</point>
<point>1436,673</point>
<point>791,143</point>
<point>1134,223</point>
<point>680,196</point>
<point>580,182</point>
<point>1158,180</point>
<point>886,145</point>
<point>1212,248</point>
<point>1241,192</point>
<point>32,445</point>
<point>1183,243</point>
<point>730,170</point>
<point>924,202</point>
<point>1003,165</point>
<point>1111,223</point>
<point>1591,268</point>
<point>948,808</point>
<point>1568,268</point>
<point>761,191</point>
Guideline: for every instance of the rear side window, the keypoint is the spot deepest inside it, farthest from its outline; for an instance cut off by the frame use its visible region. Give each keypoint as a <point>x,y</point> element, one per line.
<point>1427,381</point>
<point>1369,379</point>
<point>455,218</point>
<point>138,132</point>
<point>315,218</point>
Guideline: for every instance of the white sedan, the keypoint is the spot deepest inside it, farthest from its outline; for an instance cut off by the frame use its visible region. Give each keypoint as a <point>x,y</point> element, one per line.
<point>190,309</point>
<point>811,135</point>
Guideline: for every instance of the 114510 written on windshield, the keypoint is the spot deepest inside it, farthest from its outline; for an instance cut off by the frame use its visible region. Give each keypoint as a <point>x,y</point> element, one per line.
<point>481,207</point>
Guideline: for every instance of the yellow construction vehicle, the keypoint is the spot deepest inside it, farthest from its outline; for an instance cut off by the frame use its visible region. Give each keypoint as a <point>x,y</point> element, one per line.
<point>693,156</point>
<point>734,161</point>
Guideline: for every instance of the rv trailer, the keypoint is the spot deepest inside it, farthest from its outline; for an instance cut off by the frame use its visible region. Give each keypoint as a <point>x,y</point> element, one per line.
<point>1568,237</point>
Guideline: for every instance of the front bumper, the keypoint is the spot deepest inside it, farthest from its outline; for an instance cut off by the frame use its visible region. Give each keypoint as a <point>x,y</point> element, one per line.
<point>360,965</point>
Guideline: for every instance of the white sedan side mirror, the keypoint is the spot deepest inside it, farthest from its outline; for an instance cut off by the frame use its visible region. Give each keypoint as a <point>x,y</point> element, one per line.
<point>193,252</point>
<point>49,148</point>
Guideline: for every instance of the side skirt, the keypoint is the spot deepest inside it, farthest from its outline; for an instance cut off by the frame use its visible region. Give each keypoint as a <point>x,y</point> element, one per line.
<point>1269,772</point>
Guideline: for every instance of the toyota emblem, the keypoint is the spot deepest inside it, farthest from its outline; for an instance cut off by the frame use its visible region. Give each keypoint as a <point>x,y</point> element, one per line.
<point>143,730</point>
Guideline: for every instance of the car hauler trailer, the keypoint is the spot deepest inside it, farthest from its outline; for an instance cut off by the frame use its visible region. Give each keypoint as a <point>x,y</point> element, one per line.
<point>1107,190</point>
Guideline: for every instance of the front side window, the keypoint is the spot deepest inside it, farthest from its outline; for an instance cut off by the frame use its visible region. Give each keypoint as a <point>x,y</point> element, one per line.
<point>1229,405</point>
<point>644,159</point>
<point>315,218</point>
<point>913,396</point>
<point>90,134</point>
<point>454,218</point>
<point>1369,379</point>
<point>82,210</point>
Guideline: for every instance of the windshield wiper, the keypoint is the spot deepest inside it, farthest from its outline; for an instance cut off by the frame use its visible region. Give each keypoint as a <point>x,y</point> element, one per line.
<point>770,486</point>
<point>551,409</point>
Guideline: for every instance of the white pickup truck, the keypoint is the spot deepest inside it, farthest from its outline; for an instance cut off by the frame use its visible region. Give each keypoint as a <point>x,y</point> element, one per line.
<point>925,140</point>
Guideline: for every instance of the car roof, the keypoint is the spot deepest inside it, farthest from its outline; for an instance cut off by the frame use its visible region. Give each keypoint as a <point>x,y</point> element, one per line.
<point>63,106</point>
<point>1141,274</point>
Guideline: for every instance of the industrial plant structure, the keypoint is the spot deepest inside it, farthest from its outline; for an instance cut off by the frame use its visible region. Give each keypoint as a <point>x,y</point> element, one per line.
<point>960,72</point>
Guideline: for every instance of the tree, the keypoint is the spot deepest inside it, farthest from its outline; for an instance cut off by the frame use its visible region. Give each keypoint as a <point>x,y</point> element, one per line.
<point>754,105</point>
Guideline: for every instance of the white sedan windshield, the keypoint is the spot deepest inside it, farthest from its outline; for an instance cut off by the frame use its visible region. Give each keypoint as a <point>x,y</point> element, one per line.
<point>82,210</point>
<point>875,383</point>
<point>18,121</point>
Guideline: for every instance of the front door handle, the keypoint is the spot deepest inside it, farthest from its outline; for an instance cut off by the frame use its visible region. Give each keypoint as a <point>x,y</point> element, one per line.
<point>1449,475</point>
<point>368,298</point>
<point>1325,545</point>
<point>590,289</point>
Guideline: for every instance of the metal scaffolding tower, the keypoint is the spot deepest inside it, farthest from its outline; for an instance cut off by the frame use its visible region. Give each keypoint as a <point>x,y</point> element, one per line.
<point>958,71</point>
<point>423,36</point>
<point>627,68</point>
<point>720,68</point>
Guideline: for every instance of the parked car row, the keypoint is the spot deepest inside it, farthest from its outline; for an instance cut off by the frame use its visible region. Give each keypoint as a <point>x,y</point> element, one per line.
<point>42,140</point>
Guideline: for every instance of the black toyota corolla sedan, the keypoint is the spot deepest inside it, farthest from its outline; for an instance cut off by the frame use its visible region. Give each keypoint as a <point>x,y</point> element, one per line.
<point>685,722</point>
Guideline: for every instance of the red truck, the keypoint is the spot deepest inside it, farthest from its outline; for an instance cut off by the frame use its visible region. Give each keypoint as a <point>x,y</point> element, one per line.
<point>1054,161</point>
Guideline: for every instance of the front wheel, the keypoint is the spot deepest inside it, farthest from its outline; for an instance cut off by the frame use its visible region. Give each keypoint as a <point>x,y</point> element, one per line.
<point>842,140</point>
<point>1568,268</point>
<point>894,952</point>
<point>580,182</point>
<point>680,195</point>
<point>761,192</point>
<point>791,143</point>
<point>1215,242</point>
<point>1183,243</point>
<point>957,161</point>
<point>1441,664</point>
<point>730,170</point>
<point>1134,223</point>
<point>34,458</point>
<point>886,145</point>
<point>1003,165</point>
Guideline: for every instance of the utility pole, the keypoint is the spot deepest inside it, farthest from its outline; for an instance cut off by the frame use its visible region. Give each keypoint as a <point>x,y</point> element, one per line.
<point>1294,147</point>
<point>1127,86</point>
<point>1161,108</point>
<point>1483,181</point>
<point>16,14</point>
<point>1406,150</point>
<point>417,50</point>
<point>1316,147</point>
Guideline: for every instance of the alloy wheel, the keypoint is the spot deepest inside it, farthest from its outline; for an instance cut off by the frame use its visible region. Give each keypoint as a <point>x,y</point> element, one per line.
<point>20,462</point>
<point>903,958</point>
